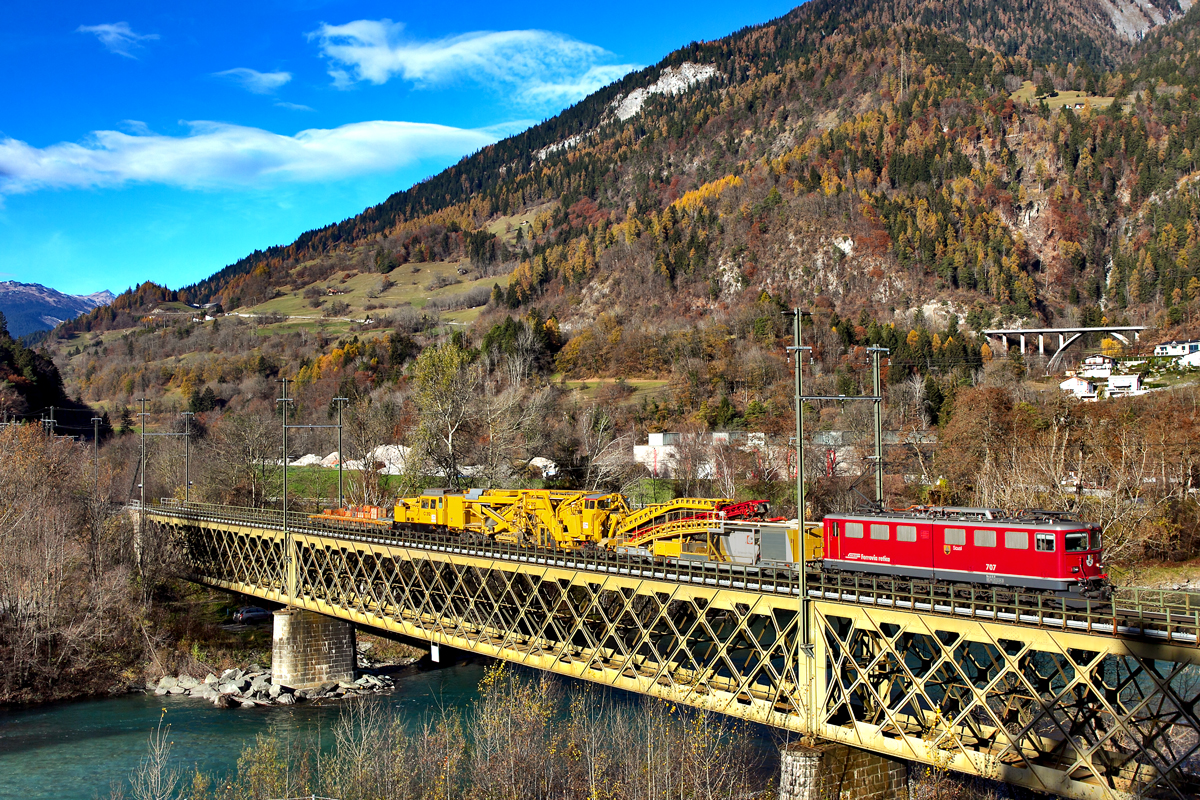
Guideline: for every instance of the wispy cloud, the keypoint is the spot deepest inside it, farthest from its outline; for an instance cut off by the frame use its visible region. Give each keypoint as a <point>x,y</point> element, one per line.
<point>254,81</point>
<point>214,155</point>
<point>539,67</point>
<point>293,106</point>
<point>118,37</point>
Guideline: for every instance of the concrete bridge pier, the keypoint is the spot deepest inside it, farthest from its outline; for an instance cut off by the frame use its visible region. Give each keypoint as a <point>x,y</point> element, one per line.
<point>837,772</point>
<point>309,649</point>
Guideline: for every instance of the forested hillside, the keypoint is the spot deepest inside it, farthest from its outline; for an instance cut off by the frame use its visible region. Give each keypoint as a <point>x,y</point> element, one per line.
<point>910,172</point>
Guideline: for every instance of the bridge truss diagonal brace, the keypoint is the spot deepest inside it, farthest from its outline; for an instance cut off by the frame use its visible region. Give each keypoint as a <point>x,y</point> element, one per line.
<point>1084,715</point>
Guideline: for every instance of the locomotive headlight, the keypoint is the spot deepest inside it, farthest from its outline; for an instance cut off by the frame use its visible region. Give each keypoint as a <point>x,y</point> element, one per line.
<point>1074,570</point>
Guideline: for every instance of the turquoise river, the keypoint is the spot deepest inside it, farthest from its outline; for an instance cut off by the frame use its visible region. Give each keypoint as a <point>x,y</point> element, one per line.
<point>75,751</point>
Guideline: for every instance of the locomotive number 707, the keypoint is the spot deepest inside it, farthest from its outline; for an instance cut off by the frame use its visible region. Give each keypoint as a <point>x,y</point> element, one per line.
<point>991,567</point>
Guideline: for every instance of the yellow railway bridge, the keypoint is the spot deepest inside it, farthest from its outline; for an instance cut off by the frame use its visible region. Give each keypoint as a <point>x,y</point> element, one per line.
<point>1085,699</point>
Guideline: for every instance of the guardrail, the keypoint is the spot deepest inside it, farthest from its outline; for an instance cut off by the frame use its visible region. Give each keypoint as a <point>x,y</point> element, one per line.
<point>1153,614</point>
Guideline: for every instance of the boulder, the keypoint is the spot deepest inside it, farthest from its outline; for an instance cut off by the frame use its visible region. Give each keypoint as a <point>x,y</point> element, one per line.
<point>303,694</point>
<point>205,692</point>
<point>177,690</point>
<point>210,679</point>
<point>286,700</point>
<point>324,688</point>
<point>223,701</point>
<point>231,675</point>
<point>160,692</point>
<point>188,682</point>
<point>346,685</point>
<point>274,690</point>
<point>167,682</point>
<point>228,687</point>
<point>248,704</point>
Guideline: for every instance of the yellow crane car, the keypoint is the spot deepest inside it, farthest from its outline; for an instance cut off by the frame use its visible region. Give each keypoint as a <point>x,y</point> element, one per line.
<point>541,517</point>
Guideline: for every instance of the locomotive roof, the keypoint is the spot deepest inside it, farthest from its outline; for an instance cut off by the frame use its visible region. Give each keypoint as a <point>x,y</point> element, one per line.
<point>977,519</point>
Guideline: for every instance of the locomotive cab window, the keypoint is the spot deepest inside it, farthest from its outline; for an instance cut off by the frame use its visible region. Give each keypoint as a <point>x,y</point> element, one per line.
<point>1016,540</point>
<point>955,536</point>
<point>854,530</point>
<point>985,538</point>
<point>1044,542</point>
<point>881,532</point>
<point>1076,541</point>
<point>424,504</point>
<point>906,533</point>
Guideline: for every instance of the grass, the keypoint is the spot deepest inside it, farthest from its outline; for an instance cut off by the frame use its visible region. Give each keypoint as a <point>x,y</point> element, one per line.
<point>409,289</point>
<point>642,387</point>
<point>1028,93</point>
<point>1155,574</point>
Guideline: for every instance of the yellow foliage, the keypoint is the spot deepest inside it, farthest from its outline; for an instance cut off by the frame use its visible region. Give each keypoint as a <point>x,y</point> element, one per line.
<point>694,200</point>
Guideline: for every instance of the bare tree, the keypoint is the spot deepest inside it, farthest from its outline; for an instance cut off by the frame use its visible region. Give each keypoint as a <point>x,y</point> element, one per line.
<point>241,459</point>
<point>445,384</point>
<point>605,455</point>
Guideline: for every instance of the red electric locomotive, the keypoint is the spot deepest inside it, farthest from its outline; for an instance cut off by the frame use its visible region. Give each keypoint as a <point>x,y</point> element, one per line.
<point>1032,550</point>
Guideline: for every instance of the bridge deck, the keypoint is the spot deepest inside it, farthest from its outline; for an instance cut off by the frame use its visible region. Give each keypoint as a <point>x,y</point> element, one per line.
<point>1087,701</point>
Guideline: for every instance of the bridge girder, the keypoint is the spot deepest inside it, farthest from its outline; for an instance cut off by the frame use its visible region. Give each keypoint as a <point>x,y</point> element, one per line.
<point>1077,714</point>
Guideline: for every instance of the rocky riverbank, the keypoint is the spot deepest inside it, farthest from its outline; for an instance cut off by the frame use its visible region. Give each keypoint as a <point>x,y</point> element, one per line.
<point>251,687</point>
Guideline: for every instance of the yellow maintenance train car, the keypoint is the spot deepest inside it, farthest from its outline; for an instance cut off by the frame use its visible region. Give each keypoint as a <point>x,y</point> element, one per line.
<point>693,528</point>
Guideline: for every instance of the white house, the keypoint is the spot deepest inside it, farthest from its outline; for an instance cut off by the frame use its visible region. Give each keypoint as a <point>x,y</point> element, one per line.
<point>1190,360</point>
<point>1124,385</point>
<point>1083,389</point>
<point>661,454</point>
<point>1097,366</point>
<point>1176,348</point>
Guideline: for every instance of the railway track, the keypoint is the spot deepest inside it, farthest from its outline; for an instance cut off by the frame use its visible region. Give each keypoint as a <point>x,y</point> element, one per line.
<point>1154,615</point>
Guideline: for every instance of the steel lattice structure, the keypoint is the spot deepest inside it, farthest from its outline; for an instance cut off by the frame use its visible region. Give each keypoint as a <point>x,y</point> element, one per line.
<point>1079,714</point>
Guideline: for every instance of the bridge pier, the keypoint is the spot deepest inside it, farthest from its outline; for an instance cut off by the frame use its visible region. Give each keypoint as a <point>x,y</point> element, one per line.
<point>309,649</point>
<point>837,772</point>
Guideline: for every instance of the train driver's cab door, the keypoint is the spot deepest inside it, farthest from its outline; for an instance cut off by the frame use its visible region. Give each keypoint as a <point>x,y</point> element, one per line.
<point>833,540</point>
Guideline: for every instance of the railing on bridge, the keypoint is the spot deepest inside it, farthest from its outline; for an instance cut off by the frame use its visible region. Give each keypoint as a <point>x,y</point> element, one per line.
<point>1090,701</point>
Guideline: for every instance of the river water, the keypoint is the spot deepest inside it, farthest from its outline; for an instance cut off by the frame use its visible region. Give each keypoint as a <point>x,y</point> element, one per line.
<point>74,751</point>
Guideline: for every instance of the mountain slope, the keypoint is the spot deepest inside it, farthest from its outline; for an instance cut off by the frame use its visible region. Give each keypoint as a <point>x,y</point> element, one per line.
<point>1091,35</point>
<point>32,307</point>
<point>892,176</point>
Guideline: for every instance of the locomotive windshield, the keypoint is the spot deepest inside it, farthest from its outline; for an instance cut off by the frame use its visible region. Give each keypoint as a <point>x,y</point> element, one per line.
<point>1077,541</point>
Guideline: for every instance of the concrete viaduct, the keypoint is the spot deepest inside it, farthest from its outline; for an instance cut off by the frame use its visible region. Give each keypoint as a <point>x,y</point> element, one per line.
<point>1066,338</point>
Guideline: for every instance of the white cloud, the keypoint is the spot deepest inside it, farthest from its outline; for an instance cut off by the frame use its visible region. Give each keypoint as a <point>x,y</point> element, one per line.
<point>118,37</point>
<point>254,81</point>
<point>215,155</point>
<point>541,67</point>
<point>293,106</point>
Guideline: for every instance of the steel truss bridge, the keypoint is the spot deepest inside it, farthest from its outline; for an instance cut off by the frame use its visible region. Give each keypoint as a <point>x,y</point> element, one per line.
<point>1085,699</point>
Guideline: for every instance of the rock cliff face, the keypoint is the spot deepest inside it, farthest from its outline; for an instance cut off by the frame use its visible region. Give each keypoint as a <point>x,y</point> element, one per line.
<point>32,307</point>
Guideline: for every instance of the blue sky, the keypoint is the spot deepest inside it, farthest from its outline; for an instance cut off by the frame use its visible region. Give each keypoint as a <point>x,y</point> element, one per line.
<point>162,141</point>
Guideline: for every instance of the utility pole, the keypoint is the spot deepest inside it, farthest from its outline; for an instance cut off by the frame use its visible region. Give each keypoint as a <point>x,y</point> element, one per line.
<point>804,647</point>
<point>341,402</point>
<point>187,454</point>
<point>798,348</point>
<point>287,539</point>
<point>96,452</point>
<point>53,426</point>
<point>141,537</point>
<point>876,352</point>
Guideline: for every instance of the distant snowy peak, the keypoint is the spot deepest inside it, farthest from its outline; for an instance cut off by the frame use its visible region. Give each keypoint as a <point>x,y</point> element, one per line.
<point>30,307</point>
<point>673,80</point>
